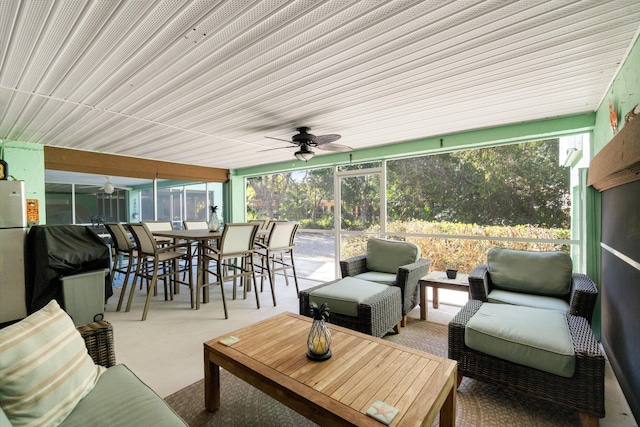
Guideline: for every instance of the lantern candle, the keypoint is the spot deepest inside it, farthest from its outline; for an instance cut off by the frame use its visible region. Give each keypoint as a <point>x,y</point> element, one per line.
<point>319,340</point>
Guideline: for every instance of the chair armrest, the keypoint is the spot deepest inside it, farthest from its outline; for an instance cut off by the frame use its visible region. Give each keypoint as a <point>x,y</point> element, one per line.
<point>354,266</point>
<point>171,248</point>
<point>407,279</point>
<point>98,338</point>
<point>480,283</point>
<point>583,296</point>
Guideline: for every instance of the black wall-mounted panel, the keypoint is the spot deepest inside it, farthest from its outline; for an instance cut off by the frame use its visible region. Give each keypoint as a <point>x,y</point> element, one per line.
<point>620,287</point>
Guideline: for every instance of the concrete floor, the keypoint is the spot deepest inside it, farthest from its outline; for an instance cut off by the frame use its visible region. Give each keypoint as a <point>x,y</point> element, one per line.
<point>166,350</point>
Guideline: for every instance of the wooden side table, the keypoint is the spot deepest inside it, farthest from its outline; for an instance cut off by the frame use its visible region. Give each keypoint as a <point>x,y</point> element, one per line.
<point>438,280</point>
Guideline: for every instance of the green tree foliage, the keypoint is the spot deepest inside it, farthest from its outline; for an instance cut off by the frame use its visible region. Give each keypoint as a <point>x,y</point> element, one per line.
<point>507,185</point>
<point>268,194</point>
<point>500,186</point>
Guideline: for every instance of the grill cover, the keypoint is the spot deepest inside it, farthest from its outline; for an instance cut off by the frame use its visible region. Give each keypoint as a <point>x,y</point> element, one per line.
<point>61,250</point>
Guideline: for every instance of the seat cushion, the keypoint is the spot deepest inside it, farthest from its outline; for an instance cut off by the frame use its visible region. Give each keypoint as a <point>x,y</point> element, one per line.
<point>45,368</point>
<point>121,399</point>
<point>344,295</point>
<point>528,336</point>
<point>529,300</point>
<point>540,273</point>
<point>387,255</point>
<point>378,277</point>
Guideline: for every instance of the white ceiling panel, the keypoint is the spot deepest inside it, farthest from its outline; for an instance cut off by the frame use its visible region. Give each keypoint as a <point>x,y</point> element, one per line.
<point>203,81</point>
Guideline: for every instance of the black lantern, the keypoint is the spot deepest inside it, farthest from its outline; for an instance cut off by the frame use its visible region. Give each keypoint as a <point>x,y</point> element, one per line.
<point>319,341</point>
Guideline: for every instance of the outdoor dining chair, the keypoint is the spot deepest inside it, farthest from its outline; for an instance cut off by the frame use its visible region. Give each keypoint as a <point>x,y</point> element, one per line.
<point>276,254</point>
<point>164,263</point>
<point>236,242</point>
<point>195,225</point>
<point>123,250</point>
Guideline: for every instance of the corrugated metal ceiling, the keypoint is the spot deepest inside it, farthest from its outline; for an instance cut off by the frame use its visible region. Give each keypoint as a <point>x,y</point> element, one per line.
<point>203,82</point>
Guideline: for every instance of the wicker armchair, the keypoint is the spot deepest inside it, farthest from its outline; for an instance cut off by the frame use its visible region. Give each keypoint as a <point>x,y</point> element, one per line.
<point>584,392</point>
<point>406,278</point>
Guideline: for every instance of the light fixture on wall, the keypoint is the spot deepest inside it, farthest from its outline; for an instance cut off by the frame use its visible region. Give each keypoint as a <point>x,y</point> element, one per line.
<point>572,155</point>
<point>304,153</point>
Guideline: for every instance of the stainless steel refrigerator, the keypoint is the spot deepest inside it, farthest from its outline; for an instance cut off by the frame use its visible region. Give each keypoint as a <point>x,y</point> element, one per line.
<point>13,233</point>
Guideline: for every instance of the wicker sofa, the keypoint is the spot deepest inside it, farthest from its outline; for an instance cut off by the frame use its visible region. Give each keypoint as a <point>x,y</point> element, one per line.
<point>392,263</point>
<point>118,397</point>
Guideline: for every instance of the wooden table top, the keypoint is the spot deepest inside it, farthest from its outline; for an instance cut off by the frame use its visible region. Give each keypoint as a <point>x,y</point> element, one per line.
<point>441,277</point>
<point>189,234</point>
<point>202,234</point>
<point>271,355</point>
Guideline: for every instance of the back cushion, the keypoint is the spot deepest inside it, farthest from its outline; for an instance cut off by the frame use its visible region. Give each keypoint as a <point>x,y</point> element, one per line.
<point>387,255</point>
<point>540,273</point>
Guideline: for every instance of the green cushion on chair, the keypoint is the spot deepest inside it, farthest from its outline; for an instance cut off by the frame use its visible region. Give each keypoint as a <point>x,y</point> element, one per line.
<point>528,300</point>
<point>121,399</point>
<point>378,277</point>
<point>528,336</point>
<point>541,273</point>
<point>387,255</point>
<point>344,295</point>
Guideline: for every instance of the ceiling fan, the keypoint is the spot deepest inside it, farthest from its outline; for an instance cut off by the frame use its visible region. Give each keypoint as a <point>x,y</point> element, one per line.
<point>108,187</point>
<point>305,141</point>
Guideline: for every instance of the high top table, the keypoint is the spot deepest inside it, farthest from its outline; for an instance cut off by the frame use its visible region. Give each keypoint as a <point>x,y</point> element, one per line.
<point>201,237</point>
<point>271,356</point>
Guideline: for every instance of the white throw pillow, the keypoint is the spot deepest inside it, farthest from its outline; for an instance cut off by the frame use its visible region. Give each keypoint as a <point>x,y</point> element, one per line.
<point>45,368</point>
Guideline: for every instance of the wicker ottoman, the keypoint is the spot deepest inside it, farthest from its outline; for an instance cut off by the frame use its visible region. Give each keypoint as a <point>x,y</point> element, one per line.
<point>584,392</point>
<point>376,315</point>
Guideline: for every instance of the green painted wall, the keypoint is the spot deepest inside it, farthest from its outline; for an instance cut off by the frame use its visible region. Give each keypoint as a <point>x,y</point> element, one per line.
<point>26,163</point>
<point>625,95</point>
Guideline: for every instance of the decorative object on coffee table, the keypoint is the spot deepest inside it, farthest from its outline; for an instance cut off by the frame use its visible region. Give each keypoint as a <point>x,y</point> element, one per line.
<point>451,274</point>
<point>319,340</point>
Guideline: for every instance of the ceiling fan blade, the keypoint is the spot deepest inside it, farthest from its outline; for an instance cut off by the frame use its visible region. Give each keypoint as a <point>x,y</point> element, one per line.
<point>326,139</point>
<point>334,147</point>
<point>270,149</point>
<point>280,139</point>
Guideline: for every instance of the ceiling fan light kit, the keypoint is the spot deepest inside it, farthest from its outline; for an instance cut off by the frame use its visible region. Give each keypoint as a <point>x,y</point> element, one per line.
<point>305,154</point>
<point>108,186</point>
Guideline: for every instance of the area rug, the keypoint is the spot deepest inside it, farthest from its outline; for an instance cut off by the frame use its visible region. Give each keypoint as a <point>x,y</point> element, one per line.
<point>478,404</point>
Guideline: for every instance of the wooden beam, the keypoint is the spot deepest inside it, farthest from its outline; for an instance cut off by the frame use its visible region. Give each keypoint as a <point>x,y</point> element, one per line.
<point>619,161</point>
<point>64,159</point>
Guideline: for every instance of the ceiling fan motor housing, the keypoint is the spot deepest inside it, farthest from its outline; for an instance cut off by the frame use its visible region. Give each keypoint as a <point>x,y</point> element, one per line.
<point>304,137</point>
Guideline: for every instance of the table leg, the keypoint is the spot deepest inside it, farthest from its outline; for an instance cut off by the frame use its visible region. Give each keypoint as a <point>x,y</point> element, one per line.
<point>203,275</point>
<point>176,276</point>
<point>211,384</point>
<point>448,410</point>
<point>423,301</point>
<point>436,301</point>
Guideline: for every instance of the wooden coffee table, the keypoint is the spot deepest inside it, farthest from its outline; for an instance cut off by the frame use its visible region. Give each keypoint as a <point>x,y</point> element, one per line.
<point>271,356</point>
